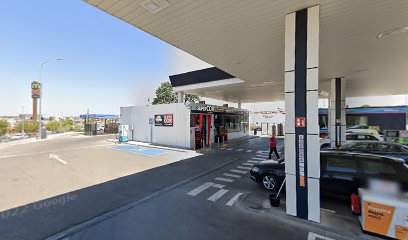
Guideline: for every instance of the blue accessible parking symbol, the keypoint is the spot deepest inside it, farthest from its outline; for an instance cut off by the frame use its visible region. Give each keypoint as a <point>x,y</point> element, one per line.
<point>140,150</point>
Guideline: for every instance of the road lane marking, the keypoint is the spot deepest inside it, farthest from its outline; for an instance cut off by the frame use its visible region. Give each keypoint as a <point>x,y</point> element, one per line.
<point>203,187</point>
<point>263,159</point>
<point>217,195</point>
<point>247,164</point>
<point>231,175</point>
<point>249,150</point>
<point>314,236</point>
<point>253,161</point>
<point>328,210</point>
<point>246,168</point>
<point>239,150</point>
<point>237,171</point>
<point>56,157</point>
<point>224,179</point>
<point>233,199</point>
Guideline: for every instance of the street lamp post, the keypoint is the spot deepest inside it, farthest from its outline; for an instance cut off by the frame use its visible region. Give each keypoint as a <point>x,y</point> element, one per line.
<point>41,92</point>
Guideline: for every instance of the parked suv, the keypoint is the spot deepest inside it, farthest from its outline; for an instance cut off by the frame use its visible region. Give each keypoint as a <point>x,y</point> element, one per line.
<point>342,173</point>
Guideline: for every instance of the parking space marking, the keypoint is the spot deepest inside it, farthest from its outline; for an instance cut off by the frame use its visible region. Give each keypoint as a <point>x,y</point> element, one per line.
<point>253,161</point>
<point>247,164</point>
<point>224,179</point>
<point>231,175</point>
<point>239,150</point>
<point>249,150</point>
<point>234,199</point>
<point>203,187</point>
<point>314,236</point>
<point>217,195</point>
<point>263,159</point>
<point>238,171</point>
<point>246,168</point>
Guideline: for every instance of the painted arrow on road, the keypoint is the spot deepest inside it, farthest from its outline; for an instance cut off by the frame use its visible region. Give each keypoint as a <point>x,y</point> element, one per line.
<point>56,157</point>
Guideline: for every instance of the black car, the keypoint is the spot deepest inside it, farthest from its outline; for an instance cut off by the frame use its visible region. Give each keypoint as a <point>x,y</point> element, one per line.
<point>382,148</point>
<point>341,173</point>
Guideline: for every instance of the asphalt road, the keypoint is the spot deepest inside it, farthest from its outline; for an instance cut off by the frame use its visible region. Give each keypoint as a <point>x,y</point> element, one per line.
<point>197,198</point>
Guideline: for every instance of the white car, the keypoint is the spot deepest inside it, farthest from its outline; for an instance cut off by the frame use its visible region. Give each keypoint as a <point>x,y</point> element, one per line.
<point>360,136</point>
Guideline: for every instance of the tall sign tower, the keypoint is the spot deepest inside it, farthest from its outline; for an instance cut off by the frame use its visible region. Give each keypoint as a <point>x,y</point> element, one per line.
<point>35,95</point>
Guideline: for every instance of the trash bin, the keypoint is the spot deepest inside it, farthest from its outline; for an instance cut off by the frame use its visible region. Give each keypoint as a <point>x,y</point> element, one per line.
<point>280,129</point>
<point>274,129</point>
<point>255,131</point>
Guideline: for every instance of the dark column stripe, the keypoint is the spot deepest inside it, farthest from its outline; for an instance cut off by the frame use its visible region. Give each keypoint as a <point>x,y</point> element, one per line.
<point>300,107</point>
<point>338,111</point>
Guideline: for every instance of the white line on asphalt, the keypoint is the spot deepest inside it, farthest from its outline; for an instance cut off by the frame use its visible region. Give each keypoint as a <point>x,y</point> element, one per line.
<point>266,156</point>
<point>328,210</point>
<point>239,150</point>
<point>263,159</point>
<point>247,164</point>
<point>233,199</point>
<point>246,168</point>
<point>56,157</point>
<point>224,179</point>
<point>223,148</point>
<point>217,195</point>
<point>314,236</point>
<point>230,149</point>
<point>237,171</point>
<point>249,150</point>
<point>203,187</point>
<point>253,161</point>
<point>231,175</point>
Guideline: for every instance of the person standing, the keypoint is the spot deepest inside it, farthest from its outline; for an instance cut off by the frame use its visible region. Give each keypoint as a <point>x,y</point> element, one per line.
<point>272,147</point>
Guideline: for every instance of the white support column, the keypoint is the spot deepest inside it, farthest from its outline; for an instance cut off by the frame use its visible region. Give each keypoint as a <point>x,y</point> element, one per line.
<point>337,112</point>
<point>302,154</point>
<point>180,97</point>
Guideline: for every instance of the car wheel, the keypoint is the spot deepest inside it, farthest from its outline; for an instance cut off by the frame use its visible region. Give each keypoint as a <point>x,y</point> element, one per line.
<point>269,182</point>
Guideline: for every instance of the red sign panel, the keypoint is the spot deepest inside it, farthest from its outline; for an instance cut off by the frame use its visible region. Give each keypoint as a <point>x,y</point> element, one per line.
<point>300,122</point>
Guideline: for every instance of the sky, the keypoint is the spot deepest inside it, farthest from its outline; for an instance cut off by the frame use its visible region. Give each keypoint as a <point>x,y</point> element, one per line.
<point>107,63</point>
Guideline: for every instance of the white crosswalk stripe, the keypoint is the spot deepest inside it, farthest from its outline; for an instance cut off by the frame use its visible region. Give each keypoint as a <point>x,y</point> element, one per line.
<point>238,171</point>
<point>239,150</point>
<point>217,195</point>
<point>246,168</point>
<point>224,179</point>
<point>233,199</point>
<point>203,187</point>
<point>263,159</point>
<point>263,156</point>
<point>223,148</point>
<point>231,175</point>
<point>230,149</point>
<point>247,164</point>
<point>249,150</point>
<point>253,161</point>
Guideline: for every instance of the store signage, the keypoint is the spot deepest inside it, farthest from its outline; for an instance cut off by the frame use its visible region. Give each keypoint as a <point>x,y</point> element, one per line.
<point>301,160</point>
<point>300,122</point>
<point>163,120</point>
<point>205,108</point>
<point>377,217</point>
<point>35,89</point>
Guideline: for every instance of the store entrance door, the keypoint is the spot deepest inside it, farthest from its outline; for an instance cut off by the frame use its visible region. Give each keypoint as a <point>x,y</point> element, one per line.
<point>205,127</point>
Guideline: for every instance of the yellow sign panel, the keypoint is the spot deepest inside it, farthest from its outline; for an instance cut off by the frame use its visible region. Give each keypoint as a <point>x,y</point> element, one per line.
<point>35,85</point>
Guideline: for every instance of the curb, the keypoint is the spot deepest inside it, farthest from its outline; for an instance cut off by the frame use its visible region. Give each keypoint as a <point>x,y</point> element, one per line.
<point>299,223</point>
<point>72,230</point>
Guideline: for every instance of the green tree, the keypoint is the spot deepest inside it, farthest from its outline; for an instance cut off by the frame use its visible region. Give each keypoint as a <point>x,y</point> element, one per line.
<point>165,94</point>
<point>67,124</point>
<point>29,126</point>
<point>3,127</point>
<point>53,125</point>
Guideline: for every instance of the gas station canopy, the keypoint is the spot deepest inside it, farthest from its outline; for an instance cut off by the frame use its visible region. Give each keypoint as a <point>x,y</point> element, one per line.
<point>363,41</point>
